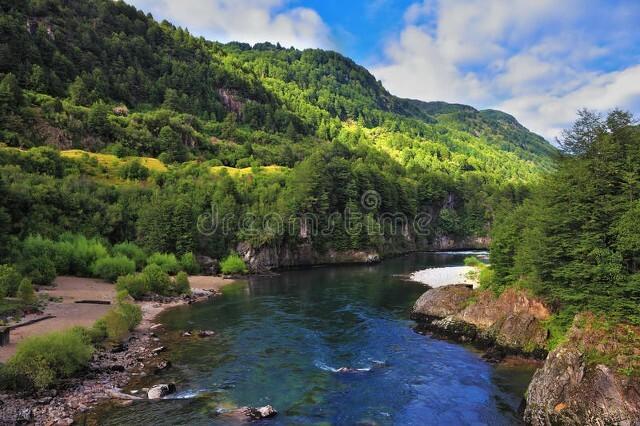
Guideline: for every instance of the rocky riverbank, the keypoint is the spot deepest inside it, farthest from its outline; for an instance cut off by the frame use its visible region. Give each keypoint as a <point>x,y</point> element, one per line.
<point>110,369</point>
<point>511,324</point>
<point>591,378</point>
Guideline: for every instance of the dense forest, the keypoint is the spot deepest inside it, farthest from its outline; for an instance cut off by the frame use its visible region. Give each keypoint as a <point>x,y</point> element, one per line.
<point>116,128</point>
<point>575,240</point>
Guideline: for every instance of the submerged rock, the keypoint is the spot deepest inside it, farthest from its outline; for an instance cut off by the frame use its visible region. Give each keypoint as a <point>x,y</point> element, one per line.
<point>260,413</point>
<point>160,391</point>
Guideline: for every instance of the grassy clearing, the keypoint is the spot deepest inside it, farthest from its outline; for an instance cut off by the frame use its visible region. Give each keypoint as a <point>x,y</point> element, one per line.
<point>235,172</point>
<point>113,163</point>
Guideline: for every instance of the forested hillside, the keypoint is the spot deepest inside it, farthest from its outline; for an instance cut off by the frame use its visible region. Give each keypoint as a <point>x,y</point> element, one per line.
<point>119,127</point>
<point>575,240</point>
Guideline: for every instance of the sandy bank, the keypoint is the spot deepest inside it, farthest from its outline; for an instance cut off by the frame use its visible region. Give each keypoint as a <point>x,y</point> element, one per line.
<point>69,314</point>
<point>438,277</point>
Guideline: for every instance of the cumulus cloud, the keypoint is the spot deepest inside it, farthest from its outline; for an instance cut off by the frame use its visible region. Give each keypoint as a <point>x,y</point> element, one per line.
<point>249,21</point>
<point>533,59</point>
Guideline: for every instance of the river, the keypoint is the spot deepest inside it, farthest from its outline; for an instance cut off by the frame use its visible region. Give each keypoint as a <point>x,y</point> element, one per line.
<point>280,339</point>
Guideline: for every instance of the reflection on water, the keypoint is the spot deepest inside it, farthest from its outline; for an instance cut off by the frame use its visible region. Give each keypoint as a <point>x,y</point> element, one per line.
<point>324,346</point>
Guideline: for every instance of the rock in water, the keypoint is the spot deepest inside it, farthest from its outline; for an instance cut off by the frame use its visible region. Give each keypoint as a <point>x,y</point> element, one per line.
<point>206,333</point>
<point>160,391</point>
<point>260,413</point>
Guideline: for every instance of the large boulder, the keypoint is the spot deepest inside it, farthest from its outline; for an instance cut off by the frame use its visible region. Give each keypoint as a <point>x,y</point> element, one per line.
<point>574,389</point>
<point>441,302</point>
<point>513,321</point>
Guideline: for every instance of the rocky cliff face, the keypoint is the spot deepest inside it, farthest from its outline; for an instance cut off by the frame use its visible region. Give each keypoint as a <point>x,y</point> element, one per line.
<point>575,387</point>
<point>511,323</point>
<point>267,258</point>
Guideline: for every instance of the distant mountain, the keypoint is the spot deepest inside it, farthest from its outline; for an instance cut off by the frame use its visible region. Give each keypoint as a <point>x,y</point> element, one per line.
<point>104,50</point>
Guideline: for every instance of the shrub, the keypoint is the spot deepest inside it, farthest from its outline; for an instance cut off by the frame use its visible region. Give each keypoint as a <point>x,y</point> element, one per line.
<point>132,251</point>
<point>131,313</point>
<point>110,268</point>
<point>41,270</point>
<point>472,261</point>
<point>26,293</point>
<point>486,277</point>
<point>119,321</point>
<point>133,170</point>
<point>98,332</point>
<point>233,264</point>
<point>44,360</point>
<point>181,284</point>
<point>36,246</point>
<point>158,280</point>
<point>84,253</point>
<point>116,325</point>
<point>136,285</point>
<point>167,262</point>
<point>189,263</point>
<point>9,280</point>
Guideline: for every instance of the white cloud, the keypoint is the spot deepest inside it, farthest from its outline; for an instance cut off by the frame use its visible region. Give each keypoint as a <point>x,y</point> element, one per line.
<point>530,58</point>
<point>249,21</point>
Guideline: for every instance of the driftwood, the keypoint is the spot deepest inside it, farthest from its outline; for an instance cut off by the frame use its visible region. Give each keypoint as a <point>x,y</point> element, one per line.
<point>94,302</point>
<point>32,321</point>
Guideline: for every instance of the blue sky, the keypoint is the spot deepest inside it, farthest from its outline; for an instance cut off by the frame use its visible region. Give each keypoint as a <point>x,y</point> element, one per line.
<point>539,60</point>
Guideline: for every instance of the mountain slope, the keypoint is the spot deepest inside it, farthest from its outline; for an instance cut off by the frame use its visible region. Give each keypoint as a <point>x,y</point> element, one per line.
<point>100,76</point>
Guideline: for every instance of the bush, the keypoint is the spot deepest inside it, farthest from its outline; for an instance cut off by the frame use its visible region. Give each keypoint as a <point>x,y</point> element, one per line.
<point>110,268</point>
<point>158,280</point>
<point>132,251</point>
<point>189,263</point>
<point>116,325</point>
<point>119,321</point>
<point>45,360</point>
<point>98,332</point>
<point>486,278</point>
<point>40,270</point>
<point>131,313</point>
<point>83,252</point>
<point>167,262</point>
<point>181,284</point>
<point>9,280</point>
<point>133,170</point>
<point>137,285</point>
<point>60,254</point>
<point>233,264</point>
<point>26,293</point>
<point>472,261</point>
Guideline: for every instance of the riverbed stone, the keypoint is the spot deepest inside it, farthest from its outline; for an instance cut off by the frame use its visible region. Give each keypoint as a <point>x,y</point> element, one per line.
<point>161,390</point>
